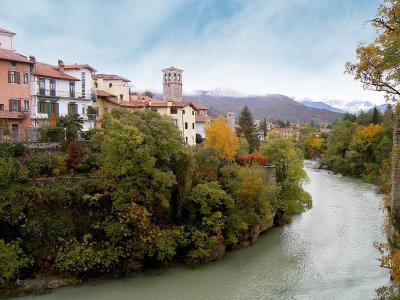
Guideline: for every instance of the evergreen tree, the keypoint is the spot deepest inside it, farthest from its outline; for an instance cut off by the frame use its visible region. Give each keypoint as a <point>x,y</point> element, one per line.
<point>248,129</point>
<point>375,116</point>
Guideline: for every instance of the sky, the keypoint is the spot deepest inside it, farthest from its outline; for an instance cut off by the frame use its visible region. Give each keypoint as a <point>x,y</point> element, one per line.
<point>297,48</point>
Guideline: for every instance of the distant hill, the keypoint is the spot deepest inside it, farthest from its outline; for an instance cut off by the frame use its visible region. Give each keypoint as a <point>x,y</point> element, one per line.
<point>272,107</point>
<point>322,105</point>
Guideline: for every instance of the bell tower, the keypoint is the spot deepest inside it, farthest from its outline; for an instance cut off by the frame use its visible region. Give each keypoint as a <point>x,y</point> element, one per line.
<point>172,84</point>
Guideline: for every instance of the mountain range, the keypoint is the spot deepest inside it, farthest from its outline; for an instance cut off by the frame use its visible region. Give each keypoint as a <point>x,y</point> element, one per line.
<point>271,107</point>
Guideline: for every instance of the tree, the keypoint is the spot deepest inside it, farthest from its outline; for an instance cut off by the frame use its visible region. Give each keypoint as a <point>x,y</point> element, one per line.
<point>148,94</point>
<point>375,116</point>
<point>248,129</point>
<point>290,175</point>
<point>377,67</point>
<point>91,112</point>
<point>221,137</point>
<point>72,122</point>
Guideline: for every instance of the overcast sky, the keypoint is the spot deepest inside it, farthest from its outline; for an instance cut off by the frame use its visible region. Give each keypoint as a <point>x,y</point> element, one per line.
<point>293,47</point>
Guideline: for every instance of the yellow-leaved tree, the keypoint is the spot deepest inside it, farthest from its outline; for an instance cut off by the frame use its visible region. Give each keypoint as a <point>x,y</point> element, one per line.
<point>221,137</point>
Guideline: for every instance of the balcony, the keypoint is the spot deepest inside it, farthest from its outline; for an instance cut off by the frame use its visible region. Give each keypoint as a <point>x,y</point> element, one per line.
<point>67,94</point>
<point>12,114</point>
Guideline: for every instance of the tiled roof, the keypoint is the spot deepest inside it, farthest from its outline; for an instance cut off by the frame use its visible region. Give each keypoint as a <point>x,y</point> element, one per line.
<point>199,105</point>
<point>47,70</point>
<point>13,56</point>
<point>12,115</point>
<point>109,97</point>
<point>6,31</point>
<point>110,77</point>
<point>201,119</point>
<point>144,101</point>
<point>79,67</point>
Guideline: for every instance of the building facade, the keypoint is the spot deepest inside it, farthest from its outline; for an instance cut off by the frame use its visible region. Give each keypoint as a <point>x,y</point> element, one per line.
<point>113,84</point>
<point>15,98</point>
<point>56,93</point>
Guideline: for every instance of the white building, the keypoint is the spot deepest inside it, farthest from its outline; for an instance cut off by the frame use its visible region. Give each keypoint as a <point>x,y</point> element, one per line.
<point>55,92</point>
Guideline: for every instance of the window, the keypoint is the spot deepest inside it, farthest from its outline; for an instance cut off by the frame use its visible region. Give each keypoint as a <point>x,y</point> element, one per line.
<point>174,76</point>
<point>179,77</point>
<point>97,111</point>
<point>173,110</point>
<point>183,111</point>
<point>186,139</point>
<point>26,78</point>
<point>169,76</point>
<point>1,106</point>
<point>110,85</point>
<point>13,77</point>
<point>13,63</point>
<point>96,85</point>
<point>26,105</point>
<point>72,89</point>
<point>72,108</point>
<point>15,105</point>
<point>42,107</point>
<point>52,87</point>
<point>83,77</point>
<point>121,96</point>
<point>165,77</point>
<point>192,125</point>
<point>41,86</point>
<point>186,125</point>
<point>192,112</point>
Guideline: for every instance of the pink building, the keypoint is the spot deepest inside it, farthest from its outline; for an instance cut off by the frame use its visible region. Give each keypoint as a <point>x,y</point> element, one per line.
<point>15,96</point>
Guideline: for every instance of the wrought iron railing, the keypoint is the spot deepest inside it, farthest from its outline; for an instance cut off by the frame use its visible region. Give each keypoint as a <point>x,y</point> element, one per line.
<point>67,94</point>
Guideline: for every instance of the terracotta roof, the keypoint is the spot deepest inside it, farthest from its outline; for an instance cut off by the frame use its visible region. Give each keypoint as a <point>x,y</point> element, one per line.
<point>199,105</point>
<point>110,77</point>
<point>201,119</point>
<point>109,97</point>
<point>151,102</point>
<point>12,114</point>
<point>172,68</point>
<point>47,70</point>
<point>13,56</point>
<point>79,66</point>
<point>6,31</point>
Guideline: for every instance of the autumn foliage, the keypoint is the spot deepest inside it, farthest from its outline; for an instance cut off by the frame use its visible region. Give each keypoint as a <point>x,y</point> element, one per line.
<point>253,159</point>
<point>221,137</point>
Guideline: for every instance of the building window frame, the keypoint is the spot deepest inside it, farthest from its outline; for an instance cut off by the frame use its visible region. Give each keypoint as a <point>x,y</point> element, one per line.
<point>25,78</point>
<point>173,111</point>
<point>15,105</point>
<point>26,105</point>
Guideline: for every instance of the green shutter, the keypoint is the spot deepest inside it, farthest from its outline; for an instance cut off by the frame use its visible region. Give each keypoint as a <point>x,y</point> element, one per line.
<point>76,109</point>
<point>57,109</point>
<point>48,108</point>
<point>69,108</point>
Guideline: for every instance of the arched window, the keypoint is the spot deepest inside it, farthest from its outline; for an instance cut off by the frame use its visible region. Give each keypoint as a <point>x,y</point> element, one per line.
<point>165,77</point>
<point>169,76</point>
<point>179,77</point>
<point>174,76</point>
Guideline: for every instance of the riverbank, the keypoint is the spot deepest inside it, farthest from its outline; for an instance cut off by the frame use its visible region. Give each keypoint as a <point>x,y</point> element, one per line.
<point>325,253</point>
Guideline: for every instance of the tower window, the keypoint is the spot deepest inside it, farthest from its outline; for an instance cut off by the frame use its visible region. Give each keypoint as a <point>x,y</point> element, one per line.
<point>183,111</point>
<point>186,125</point>
<point>174,76</point>
<point>179,77</point>
<point>165,77</point>
<point>110,85</point>
<point>169,76</point>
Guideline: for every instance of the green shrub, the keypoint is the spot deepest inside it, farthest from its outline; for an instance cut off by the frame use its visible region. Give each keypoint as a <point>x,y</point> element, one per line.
<point>52,134</point>
<point>86,257</point>
<point>12,149</point>
<point>12,260</point>
<point>43,165</point>
<point>11,171</point>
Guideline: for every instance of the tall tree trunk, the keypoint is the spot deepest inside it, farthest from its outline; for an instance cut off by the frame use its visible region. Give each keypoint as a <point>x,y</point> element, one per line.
<point>395,201</point>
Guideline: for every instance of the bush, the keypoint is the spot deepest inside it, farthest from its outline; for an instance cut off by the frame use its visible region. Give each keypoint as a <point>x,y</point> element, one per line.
<point>12,149</point>
<point>86,257</point>
<point>43,165</point>
<point>52,134</point>
<point>12,260</point>
<point>11,171</point>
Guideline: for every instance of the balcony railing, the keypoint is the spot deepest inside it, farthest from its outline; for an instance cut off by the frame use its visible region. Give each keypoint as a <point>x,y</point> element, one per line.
<point>67,94</point>
<point>14,114</point>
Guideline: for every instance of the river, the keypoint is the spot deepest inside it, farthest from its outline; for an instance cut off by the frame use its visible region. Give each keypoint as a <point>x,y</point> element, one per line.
<point>325,253</point>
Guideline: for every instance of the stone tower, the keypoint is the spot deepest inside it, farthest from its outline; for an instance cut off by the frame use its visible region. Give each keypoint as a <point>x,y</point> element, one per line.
<point>172,84</point>
<point>230,119</point>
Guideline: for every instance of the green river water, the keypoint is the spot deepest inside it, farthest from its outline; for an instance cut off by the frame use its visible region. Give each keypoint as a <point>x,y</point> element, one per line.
<point>325,253</point>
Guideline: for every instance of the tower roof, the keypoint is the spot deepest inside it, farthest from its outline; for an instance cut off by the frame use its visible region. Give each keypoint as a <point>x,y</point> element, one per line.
<point>172,68</point>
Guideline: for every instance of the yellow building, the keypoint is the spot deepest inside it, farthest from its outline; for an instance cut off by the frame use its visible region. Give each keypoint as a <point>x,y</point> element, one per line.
<point>105,102</point>
<point>182,112</point>
<point>113,84</point>
<point>285,133</point>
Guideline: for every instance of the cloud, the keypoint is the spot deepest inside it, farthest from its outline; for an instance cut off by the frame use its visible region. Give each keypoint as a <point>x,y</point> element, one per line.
<point>297,48</point>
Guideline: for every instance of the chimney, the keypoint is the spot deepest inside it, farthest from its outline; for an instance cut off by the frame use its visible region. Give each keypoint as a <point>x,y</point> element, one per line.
<point>33,67</point>
<point>61,66</point>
